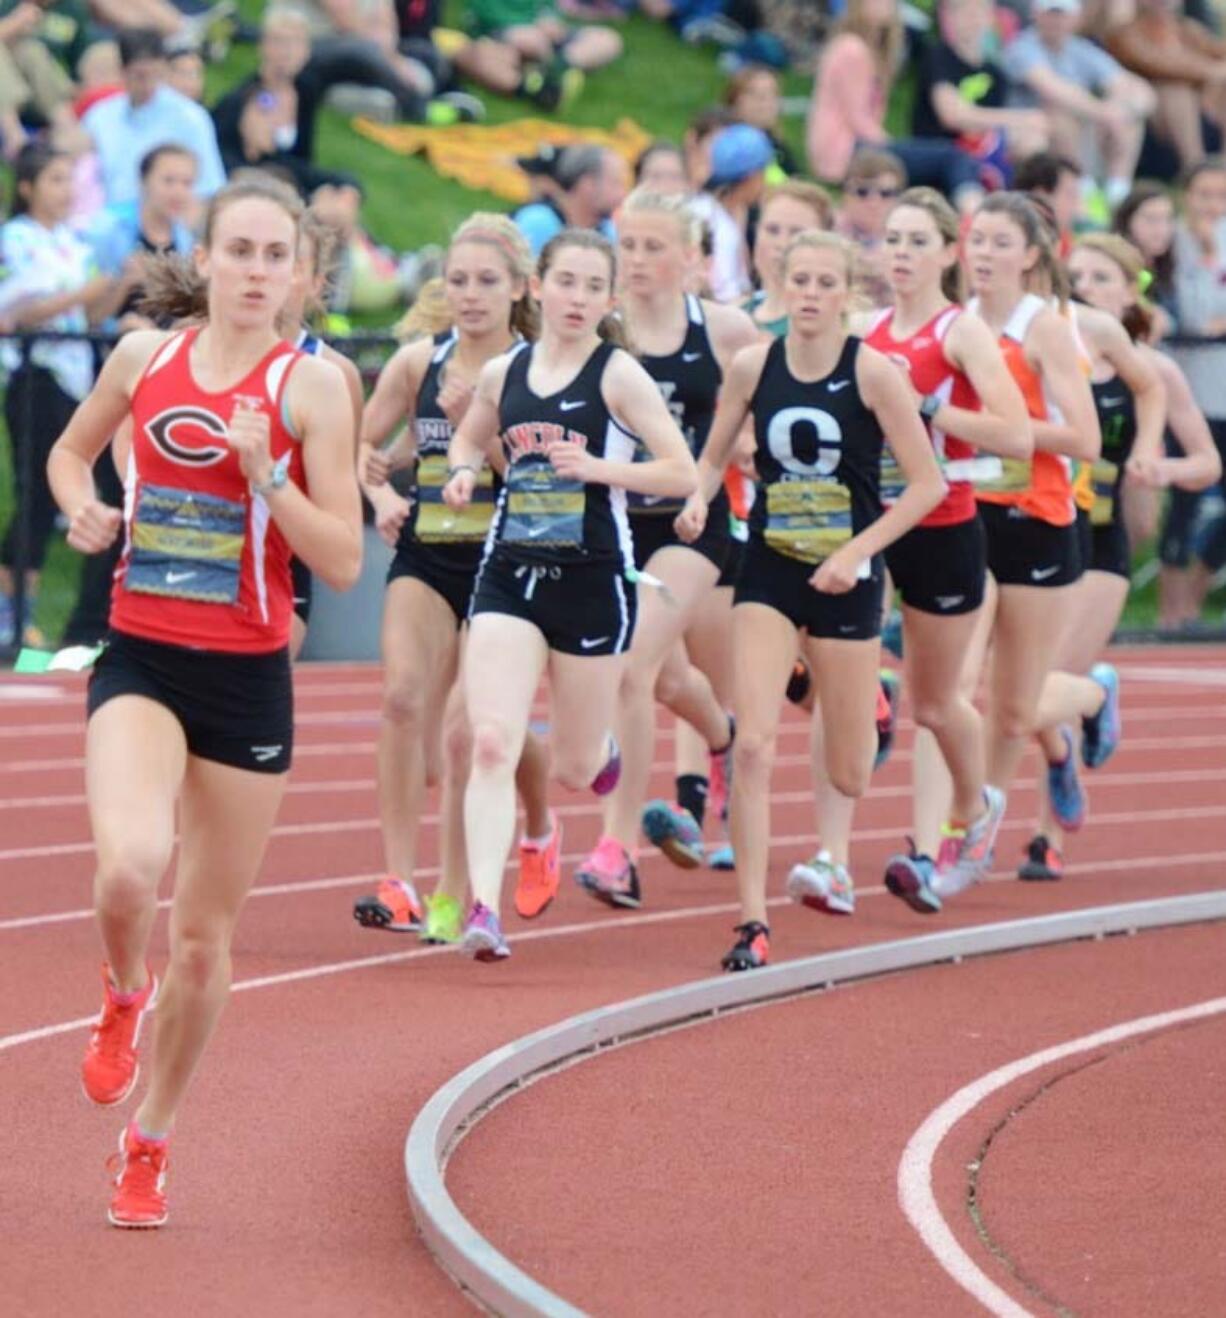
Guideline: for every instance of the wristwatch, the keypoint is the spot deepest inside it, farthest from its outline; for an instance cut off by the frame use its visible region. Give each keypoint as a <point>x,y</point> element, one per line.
<point>930,405</point>
<point>277,478</point>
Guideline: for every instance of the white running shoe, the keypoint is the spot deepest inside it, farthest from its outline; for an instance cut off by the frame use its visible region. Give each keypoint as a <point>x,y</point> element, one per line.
<point>822,885</point>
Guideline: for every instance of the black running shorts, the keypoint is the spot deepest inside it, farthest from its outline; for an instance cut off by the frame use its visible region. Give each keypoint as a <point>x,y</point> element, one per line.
<point>940,569</point>
<point>235,709</point>
<point>1024,551</point>
<point>782,584</point>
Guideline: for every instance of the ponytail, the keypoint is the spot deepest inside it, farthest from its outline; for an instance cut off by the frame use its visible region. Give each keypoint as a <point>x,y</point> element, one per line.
<point>174,290</point>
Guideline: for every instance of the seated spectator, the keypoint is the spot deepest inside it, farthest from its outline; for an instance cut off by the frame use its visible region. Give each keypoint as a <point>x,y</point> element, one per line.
<point>32,81</point>
<point>857,72</point>
<point>1146,217</point>
<point>269,120</point>
<point>178,30</point>
<point>787,209</point>
<point>185,73</point>
<point>963,94</point>
<point>873,183</point>
<point>368,276</point>
<point>696,143</point>
<point>1186,65</point>
<point>99,75</point>
<point>1056,182</point>
<point>590,184</point>
<point>752,94</point>
<point>125,234</point>
<point>149,113</point>
<point>1199,251</point>
<point>62,291</point>
<point>740,156</point>
<point>544,44</point>
<point>661,168</point>
<point>1079,85</point>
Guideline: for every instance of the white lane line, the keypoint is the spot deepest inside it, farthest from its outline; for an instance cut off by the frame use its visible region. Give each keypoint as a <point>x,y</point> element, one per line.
<point>51,849</point>
<point>11,1041</point>
<point>1089,868</point>
<point>915,1191</point>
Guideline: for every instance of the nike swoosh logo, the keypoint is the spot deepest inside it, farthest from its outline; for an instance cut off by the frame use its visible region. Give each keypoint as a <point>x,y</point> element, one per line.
<point>847,630</point>
<point>690,356</point>
<point>588,643</point>
<point>949,601</point>
<point>1042,573</point>
<point>1112,402</point>
<point>173,578</point>
<point>534,531</point>
<point>835,385</point>
<point>265,753</point>
<point>570,407</point>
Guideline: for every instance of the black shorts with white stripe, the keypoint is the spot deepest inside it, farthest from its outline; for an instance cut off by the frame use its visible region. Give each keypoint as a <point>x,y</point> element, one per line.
<point>580,608</point>
<point>941,569</point>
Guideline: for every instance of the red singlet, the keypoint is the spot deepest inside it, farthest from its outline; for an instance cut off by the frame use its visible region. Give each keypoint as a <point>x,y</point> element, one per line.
<point>204,565</point>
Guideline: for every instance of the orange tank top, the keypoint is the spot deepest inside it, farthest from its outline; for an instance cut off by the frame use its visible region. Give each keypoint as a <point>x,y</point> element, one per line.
<point>1040,485</point>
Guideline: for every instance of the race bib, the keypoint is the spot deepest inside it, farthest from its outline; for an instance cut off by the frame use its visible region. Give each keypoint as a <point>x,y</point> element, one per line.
<point>186,545</point>
<point>1103,477</point>
<point>807,518</point>
<point>542,508</point>
<point>1014,478</point>
<point>438,524</point>
<point>891,480</point>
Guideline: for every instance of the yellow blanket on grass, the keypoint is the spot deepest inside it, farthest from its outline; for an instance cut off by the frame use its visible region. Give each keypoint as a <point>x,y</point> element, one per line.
<point>483,155</point>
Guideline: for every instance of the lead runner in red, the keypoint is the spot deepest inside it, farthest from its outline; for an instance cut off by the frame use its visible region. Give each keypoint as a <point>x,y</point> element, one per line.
<point>241,454</point>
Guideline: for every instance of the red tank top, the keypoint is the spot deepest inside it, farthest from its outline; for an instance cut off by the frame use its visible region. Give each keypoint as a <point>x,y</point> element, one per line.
<point>204,565</point>
<point>923,353</point>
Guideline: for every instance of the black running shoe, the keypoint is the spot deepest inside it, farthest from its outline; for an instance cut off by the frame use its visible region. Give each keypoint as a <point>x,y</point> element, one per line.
<point>800,683</point>
<point>752,950</point>
<point>1043,862</point>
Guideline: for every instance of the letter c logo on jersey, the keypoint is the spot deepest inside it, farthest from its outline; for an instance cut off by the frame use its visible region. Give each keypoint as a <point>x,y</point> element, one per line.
<point>805,441</point>
<point>178,432</point>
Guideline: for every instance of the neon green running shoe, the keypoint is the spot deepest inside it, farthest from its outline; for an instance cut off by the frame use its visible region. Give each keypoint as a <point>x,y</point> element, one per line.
<point>444,919</point>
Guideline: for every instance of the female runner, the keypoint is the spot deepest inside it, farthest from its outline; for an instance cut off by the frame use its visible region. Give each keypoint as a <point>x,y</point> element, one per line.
<point>426,388</point>
<point>969,400</point>
<point>821,402</point>
<point>1028,511</point>
<point>316,262</point>
<point>1132,405</point>
<point>787,209</point>
<point>685,344</point>
<point>241,454</point>
<point>552,590</point>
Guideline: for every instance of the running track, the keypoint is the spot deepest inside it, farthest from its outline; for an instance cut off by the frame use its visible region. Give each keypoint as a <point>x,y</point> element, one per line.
<point>748,1165</point>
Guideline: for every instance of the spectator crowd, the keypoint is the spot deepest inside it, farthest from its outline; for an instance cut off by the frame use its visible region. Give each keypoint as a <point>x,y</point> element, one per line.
<point>1112,111</point>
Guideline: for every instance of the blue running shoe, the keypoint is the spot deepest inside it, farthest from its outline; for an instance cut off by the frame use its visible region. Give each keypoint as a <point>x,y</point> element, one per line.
<point>722,858</point>
<point>1068,801</point>
<point>1100,735</point>
<point>910,878</point>
<point>675,831</point>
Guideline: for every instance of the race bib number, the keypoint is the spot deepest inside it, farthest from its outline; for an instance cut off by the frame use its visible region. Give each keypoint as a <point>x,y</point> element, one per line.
<point>1104,476</point>
<point>542,508</point>
<point>1014,478</point>
<point>807,518</point>
<point>186,545</point>
<point>438,524</point>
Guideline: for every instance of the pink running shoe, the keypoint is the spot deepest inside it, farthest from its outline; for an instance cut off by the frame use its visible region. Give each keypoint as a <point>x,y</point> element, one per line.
<point>609,875</point>
<point>111,1064</point>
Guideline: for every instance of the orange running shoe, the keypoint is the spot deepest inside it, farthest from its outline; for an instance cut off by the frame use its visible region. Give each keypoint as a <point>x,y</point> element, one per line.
<point>540,870</point>
<point>139,1201</point>
<point>395,907</point>
<point>111,1063</point>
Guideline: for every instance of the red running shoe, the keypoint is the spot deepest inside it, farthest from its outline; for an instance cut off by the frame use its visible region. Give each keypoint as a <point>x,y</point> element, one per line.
<point>139,1201</point>
<point>111,1064</point>
<point>540,869</point>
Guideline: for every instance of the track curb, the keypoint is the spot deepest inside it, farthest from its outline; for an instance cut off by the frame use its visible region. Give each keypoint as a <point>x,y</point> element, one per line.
<point>491,1278</point>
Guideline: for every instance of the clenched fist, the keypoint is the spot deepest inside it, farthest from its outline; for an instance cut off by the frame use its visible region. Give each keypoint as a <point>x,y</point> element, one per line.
<point>93,527</point>
<point>249,436</point>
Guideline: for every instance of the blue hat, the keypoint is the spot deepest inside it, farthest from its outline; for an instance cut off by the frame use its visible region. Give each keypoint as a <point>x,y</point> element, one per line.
<point>737,152</point>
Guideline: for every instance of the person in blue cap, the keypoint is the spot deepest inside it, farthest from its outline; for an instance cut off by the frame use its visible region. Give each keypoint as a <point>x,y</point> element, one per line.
<point>740,156</point>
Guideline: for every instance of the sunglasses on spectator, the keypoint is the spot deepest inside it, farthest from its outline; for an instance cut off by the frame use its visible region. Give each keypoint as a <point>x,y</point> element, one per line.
<point>887,192</point>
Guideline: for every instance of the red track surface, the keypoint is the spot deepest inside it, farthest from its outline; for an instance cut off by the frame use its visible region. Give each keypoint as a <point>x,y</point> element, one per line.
<point>785,1124</point>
